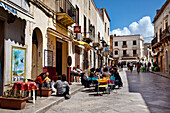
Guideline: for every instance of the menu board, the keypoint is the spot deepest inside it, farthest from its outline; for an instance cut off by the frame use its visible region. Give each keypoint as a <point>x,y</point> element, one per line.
<point>48,58</point>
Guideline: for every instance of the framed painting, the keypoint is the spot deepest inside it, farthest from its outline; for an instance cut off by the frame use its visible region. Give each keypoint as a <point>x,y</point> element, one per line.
<point>18,64</point>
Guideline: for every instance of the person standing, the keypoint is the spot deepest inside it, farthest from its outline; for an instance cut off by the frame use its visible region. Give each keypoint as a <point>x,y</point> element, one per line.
<point>117,78</point>
<point>131,66</point>
<point>149,65</point>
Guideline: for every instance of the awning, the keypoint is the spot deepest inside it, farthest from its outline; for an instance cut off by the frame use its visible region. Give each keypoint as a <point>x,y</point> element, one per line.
<point>82,43</point>
<point>16,11</point>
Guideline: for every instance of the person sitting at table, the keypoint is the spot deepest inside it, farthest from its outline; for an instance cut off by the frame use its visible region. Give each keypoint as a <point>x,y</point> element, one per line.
<point>85,81</point>
<point>117,78</point>
<point>106,72</point>
<point>62,87</point>
<point>47,82</point>
<point>39,81</point>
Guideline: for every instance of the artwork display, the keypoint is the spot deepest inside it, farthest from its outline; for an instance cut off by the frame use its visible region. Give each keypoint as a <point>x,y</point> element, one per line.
<point>18,64</point>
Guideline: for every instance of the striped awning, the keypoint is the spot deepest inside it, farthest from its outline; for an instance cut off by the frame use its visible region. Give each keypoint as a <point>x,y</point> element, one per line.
<point>16,11</point>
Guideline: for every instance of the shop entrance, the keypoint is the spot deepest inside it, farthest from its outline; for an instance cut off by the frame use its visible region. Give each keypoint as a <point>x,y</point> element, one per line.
<point>59,58</point>
<point>1,54</point>
<point>37,44</point>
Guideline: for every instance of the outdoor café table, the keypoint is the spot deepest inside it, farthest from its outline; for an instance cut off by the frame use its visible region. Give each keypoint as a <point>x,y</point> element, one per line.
<point>29,86</point>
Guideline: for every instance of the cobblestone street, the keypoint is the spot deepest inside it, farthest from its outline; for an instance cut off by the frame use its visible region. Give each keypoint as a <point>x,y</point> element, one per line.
<point>154,89</point>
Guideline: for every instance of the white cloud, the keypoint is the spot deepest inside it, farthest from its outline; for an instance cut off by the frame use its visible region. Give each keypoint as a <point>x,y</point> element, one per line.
<point>143,26</point>
<point>118,31</point>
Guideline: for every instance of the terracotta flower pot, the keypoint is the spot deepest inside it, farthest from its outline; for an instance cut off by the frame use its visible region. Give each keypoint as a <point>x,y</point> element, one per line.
<point>45,92</point>
<point>13,103</point>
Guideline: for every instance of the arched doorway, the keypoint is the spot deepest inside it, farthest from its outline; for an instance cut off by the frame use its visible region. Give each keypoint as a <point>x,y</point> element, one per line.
<point>166,61</point>
<point>37,52</point>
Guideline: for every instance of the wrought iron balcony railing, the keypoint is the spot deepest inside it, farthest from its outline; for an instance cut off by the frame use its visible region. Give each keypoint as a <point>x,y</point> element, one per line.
<point>166,33</point>
<point>66,7</point>
<point>154,41</point>
<point>124,46</point>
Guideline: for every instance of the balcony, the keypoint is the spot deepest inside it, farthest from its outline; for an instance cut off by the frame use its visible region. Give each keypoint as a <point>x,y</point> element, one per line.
<point>166,34</point>
<point>124,46</point>
<point>125,55</point>
<point>135,55</point>
<point>88,37</point>
<point>66,12</point>
<point>154,41</point>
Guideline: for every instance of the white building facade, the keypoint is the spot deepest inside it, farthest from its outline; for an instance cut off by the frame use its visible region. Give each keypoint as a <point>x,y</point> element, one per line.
<point>129,48</point>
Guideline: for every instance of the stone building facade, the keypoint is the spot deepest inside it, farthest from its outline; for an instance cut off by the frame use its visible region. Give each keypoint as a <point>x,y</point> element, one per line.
<point>161,41</point>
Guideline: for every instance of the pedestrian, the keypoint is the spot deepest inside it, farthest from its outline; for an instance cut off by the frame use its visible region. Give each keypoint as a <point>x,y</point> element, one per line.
<point>149,65</point>
<point>62,87</point>
<point>119,65</point>
<point>131,66</point>
<point>79,72</point>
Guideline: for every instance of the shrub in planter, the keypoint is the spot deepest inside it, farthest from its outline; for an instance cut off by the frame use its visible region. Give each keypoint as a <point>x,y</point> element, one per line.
<point>9,101</point>
<point>152,68</point>
<point>156,69</point>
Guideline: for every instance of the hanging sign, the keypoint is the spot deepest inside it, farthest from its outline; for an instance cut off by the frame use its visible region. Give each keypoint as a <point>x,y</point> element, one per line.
<point>77,29</point>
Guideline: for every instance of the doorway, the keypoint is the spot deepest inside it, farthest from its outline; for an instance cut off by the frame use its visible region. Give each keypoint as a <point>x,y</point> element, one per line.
<point>166,61</point>
<point>1,55</point>
<point>37,49</point>
<point>59,58</point>
<point>77,56</point>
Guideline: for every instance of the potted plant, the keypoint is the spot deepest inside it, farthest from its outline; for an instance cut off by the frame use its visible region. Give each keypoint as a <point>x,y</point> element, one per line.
<point>46,92</point>
<point>11,101</point>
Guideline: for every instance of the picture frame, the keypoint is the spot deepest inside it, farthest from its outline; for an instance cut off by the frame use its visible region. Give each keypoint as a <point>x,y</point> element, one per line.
<point>18,64</point>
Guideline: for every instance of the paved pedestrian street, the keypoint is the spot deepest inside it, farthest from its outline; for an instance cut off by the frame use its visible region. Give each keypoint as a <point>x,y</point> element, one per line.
<point>119,101</point>
<point>154,89</point>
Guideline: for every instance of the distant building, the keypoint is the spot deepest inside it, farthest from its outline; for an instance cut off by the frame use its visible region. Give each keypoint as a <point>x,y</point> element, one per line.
<point>129,48</point>
<point>147,52</point>
<point>161,42</point>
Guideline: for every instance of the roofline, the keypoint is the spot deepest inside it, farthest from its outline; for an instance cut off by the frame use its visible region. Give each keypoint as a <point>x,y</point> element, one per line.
<point>161,10</point>
<point>128,35</point>
<point>106,13</point>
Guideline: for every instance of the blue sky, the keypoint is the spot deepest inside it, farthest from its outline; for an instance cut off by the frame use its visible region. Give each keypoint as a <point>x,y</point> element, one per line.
<point>131,16</point>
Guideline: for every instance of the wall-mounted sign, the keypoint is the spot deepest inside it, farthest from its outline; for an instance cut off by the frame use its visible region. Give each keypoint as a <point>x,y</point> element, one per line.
<point>106,51</point>
<point>18,64</point>
<point>77,29</point>
<point>48,58</point>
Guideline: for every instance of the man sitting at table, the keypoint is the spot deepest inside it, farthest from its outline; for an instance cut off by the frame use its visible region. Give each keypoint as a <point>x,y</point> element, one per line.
<point>62,87</point>
<point>85,81</point>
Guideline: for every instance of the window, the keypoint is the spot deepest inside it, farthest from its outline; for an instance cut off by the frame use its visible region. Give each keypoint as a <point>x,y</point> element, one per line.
<point>77,15</point>
<point>160,33</point>
<point>116,52</point>
<point>134,52</point>
<point>108,31</point>
<point>166,27</point>
<point>116,43</point>
<point>89,4</point>
<point>124,42</point>
<point>84,26</point>
<point>124,52</point>
<point>134,42</point>
<point>105,27</point>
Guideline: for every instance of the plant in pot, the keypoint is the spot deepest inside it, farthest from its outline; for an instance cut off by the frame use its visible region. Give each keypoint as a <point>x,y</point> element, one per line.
<point>11,100</point>
<point>44,91</point>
